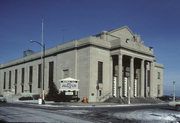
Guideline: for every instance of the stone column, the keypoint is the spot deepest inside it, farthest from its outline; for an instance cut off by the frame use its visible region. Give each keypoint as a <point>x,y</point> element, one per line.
<point>111,75</point>
<point>142,78</point>
<point>132,76</point>
<point>120,76</point>
<point>146,78</point>
<point>151,79</point>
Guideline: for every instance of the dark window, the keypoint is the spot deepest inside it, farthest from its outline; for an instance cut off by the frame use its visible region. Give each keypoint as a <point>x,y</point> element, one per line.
<point>22,80</point>
<point>4,80</point>
<point>158,89</point>
<point>30,78</point>
<point>30,74</point>
<point>159,75</point>
<point>100,92</point>
<point>100,72</point>
<point>22,76</point>
<point>16,76</point>
<point>51,72</point>
<point>66,73</point>
<point>148,83</point>
<point>22,88</point>
<point>16,72</point>
<point>9,79</point>
<point>39,75</point>
<point>30,88</point>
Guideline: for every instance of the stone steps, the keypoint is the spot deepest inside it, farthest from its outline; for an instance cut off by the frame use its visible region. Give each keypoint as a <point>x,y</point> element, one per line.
<point>135,100</point>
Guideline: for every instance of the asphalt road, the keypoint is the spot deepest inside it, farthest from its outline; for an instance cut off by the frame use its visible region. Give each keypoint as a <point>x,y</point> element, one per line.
<point>13,112</point>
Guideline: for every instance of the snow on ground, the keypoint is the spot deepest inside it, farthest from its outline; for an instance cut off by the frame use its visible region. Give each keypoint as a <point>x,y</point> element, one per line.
<point>149,115</point>
<point>14,114</point>
<point>76,111</point>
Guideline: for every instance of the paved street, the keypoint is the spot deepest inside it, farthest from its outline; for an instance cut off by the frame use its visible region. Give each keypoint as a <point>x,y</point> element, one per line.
<point>14,112</point>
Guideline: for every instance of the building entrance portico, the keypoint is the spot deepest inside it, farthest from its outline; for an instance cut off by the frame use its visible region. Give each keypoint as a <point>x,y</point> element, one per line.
<point>131,76</point>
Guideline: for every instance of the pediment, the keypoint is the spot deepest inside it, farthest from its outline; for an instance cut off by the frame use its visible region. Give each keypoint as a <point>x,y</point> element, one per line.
<point>123,33</point>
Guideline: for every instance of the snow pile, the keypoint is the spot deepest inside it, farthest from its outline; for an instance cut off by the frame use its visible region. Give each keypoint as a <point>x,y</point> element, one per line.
<point>76,111</point>
<point>149,115</point>
<point>23,114</point>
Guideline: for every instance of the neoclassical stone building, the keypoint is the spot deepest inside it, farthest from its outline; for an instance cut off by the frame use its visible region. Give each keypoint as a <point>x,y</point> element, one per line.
<point>112,63</point>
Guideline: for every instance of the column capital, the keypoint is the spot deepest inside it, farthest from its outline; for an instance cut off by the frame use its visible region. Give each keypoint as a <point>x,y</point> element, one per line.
<point>120,54</point>
<point>142,62</point>
<point>132,57</point>
<point>150,61</point>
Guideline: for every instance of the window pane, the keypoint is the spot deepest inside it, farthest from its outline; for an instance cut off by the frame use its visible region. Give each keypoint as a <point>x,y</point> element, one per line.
<point>9,79</point>
<point>159,75</point>
<point>16,72</point>
<point>51,72</point>
<point>22,77</point>
<point>22,80</point>
<point>100,72</point>
<point>30,74</point>
<point>39,75</point>
<point>4,80</point>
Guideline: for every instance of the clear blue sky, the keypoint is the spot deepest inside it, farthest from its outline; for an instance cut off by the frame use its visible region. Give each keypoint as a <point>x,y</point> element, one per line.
<point>157,21</point>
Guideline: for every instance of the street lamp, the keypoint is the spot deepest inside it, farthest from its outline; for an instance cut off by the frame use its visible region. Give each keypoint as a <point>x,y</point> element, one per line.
<point>174,95</point>
<point>43,67</point>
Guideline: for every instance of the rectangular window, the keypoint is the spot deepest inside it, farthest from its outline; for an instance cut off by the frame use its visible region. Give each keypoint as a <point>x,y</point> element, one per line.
<point>159,75</point>
<point>9,79</point>
<point>16,72</point>
<point>100,92</point>
<point>30,74</point>
<point>22,80</point>
<point>100,72</point>
<point>4,80</point>
<point>30,78</point>
<point>39,75</point>
<point>16,76</point>
<point>30,88</point>
<point>66,73</point>
<point>148,82</point>
<point>51,72</point>
<point>158,89</point>
<point>22,76</point>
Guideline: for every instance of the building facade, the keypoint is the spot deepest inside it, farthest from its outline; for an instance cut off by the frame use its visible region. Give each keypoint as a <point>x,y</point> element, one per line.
<point>112,63</point>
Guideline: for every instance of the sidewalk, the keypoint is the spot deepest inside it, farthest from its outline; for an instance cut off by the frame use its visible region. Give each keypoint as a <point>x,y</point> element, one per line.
<point>78,104</point>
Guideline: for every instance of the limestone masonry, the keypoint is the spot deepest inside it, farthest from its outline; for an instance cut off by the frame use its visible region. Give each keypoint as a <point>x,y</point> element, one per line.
<point>112,63</point>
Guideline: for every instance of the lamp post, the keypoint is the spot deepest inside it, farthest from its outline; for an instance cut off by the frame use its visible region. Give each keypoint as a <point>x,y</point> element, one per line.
<point>43,67</point>
<point>174,95</point>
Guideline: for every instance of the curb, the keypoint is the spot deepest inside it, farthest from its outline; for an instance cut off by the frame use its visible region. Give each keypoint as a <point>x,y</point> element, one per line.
<point>51,104</point>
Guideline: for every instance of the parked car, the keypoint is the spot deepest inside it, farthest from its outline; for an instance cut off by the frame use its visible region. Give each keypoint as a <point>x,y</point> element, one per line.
<point>175,104</point>
<point>2,99</point>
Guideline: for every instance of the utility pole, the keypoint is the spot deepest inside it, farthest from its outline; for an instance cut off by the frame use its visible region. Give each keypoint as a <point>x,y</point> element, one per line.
<point>174,95</point>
